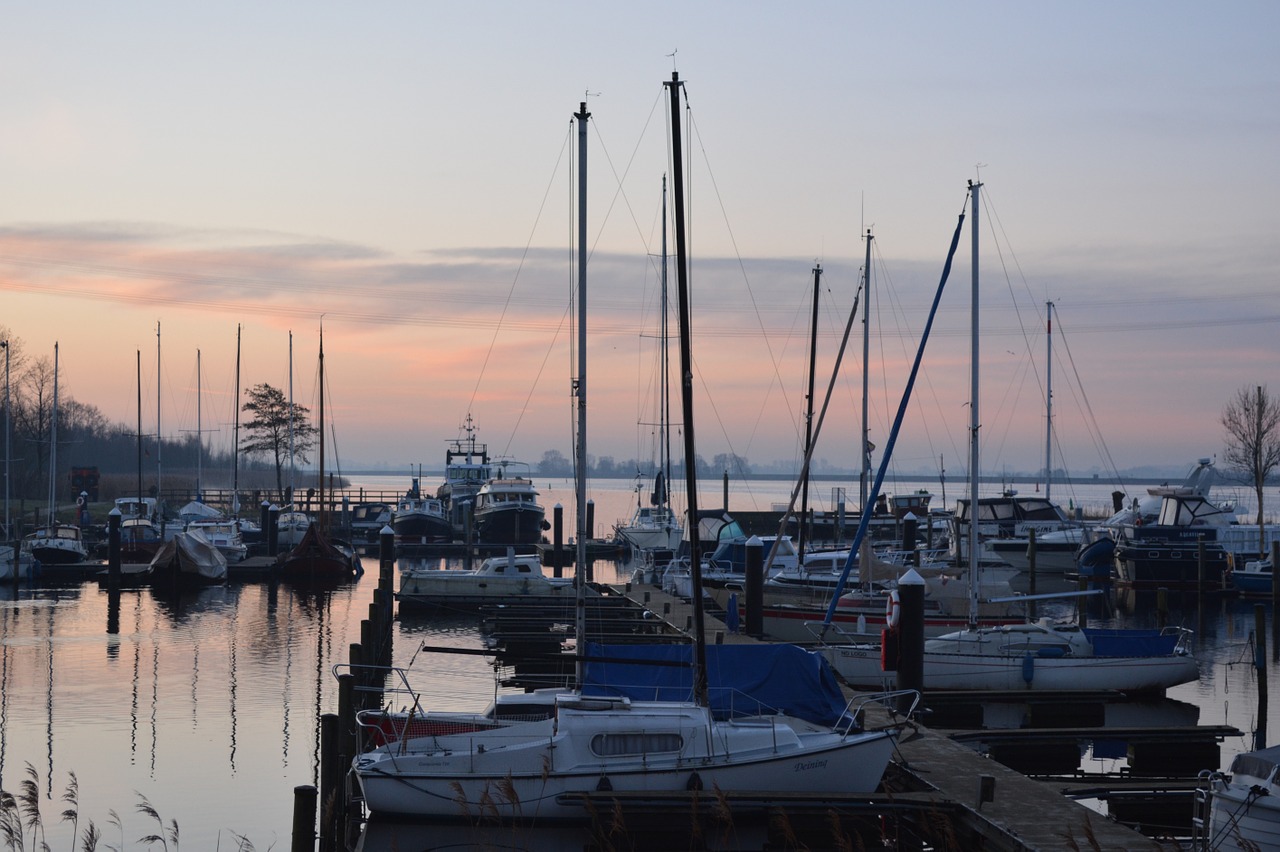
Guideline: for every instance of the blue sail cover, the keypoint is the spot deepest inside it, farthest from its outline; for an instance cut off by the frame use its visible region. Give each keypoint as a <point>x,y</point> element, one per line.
<point>743,680</point>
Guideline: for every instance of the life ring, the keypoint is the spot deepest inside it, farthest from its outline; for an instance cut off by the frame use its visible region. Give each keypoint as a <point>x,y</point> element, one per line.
<point>892,610</point>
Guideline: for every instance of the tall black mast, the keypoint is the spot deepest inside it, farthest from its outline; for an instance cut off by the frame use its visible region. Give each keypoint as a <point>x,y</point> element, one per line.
<point>686,396</point>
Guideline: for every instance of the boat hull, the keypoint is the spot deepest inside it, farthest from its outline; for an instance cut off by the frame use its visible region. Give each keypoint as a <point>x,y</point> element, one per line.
<point>861,667</point>
<point>515,524</point>
<point>533,770</point>
<point>1237,817</point>
<point>422,528</point>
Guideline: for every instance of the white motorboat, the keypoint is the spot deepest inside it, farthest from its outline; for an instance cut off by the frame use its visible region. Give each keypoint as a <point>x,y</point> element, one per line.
<point>498,577</point>
<point>1243,804</point>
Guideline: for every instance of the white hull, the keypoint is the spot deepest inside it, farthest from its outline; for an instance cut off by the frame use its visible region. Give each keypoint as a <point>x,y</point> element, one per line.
<point>860,666</point>
<point>532,770</point>
<point>650,538</point>
<point>1237,816</point>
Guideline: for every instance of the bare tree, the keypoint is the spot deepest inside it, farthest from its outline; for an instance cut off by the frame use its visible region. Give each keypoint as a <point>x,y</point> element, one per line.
<point>269,429</point>
<point>1252,421</point>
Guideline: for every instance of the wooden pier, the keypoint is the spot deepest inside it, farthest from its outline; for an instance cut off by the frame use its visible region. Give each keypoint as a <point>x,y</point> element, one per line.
<point>990,806</point>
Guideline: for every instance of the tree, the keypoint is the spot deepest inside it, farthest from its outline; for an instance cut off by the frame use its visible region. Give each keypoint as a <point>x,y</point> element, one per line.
<point>1252,421</point>
<point>268,430</point>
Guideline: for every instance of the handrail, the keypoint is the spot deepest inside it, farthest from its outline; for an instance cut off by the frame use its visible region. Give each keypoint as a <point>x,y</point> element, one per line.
<point>857,703</point>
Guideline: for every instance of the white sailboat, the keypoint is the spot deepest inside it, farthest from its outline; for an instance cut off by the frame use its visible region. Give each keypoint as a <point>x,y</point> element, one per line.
<point>55,543</point>
<point>600,743</point>
<point>1033,656</point>
<point>655,526</point>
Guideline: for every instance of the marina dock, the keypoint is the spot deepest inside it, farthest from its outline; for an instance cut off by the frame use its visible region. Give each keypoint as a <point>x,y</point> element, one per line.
<point>989,805</point>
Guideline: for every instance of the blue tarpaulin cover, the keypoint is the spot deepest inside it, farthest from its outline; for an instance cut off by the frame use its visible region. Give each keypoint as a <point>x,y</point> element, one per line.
<point>741,679</point>
<point>1130,643</point>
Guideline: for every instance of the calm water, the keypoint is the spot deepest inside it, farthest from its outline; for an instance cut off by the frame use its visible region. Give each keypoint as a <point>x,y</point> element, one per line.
<point>208,705</point>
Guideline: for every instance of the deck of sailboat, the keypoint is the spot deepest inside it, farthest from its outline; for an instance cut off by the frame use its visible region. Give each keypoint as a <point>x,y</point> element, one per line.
<point>930,767</point>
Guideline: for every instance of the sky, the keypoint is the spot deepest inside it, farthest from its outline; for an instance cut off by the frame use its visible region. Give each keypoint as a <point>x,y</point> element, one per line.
<point>406,173</point>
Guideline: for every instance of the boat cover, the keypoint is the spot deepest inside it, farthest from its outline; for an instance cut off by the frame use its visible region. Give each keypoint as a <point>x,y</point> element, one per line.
<point>1258,764</point>
<point>743,680</point>
<point>1131,643</point>
<point>190,553</point>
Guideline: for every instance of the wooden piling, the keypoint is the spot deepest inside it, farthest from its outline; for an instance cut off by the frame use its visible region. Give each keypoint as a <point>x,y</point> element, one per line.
<point>1082,603</point>
<point>331,772</point>
<point>1031,571</point>
<point>304,819</point>
<point>1162,608</point>
<point>113,551</point>
<point>557,538</point>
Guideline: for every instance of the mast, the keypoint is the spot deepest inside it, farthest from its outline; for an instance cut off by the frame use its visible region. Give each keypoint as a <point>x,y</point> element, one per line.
<point>235,444</point>
<point>8,456</point>
<point>686,397</point>
<point>324,515</point>
<point>864,480</point>
<point>974,423</point>
<point>808,413</point>
<point>1048,399</point>
<point>292,464</point>
<point>580,391</point>
<point>53,447</point>
<point>159,438</point>
<point>199,434</point>
<point>140,501</point>
<point>664,417</point>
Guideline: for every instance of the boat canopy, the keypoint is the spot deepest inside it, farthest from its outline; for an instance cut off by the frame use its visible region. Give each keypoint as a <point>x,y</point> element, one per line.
<point>743,680</point>
<point>1258,764</point>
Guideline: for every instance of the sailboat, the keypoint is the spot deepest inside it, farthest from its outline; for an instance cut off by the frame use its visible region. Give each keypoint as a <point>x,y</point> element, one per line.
<point>1032,656</point>
<point>55,543</point>
<point>609,742</point>
<point>317,557</point>
<point>292,522</point>
<point>655,526</point>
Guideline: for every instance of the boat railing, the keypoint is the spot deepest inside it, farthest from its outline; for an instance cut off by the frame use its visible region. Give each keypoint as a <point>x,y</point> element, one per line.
<point>389,681</point>
<point>851,720</point>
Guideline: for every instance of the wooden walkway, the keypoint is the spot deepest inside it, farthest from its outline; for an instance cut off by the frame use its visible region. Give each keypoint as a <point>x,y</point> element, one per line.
<point>930,768</point>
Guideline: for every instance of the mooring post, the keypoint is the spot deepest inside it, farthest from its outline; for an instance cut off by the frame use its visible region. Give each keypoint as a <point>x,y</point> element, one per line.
<point>909,525</point>
<point>1082,602</point>
<point>1260,663</point>
<point>1031,570</point>
<point>264,519</point>
<point>272,530</point>
<point>1275,595</point>
<point>589,570</point>
<point>1200,560</point>
<point>557,541</point>
<point>1162,607</point>
<point>304,819</point>
<point>330,781</point>
<point>911,588</point>
<point>113,551</point>
<point>754,602</point>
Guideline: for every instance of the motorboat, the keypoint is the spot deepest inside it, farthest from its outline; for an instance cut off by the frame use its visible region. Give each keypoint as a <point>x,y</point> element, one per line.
<point>420,520</point>
<point>1256,577</point>
<point>497,578</point>
<point>56,544</point>
<point>507,512</point>
<point>1243,804</point>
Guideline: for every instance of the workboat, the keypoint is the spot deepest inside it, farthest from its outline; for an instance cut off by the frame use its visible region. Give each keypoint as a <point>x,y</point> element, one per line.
<point>498,577</point>
<point>1255,577</point>
<point>543,769</point>
<point>1243,804</point>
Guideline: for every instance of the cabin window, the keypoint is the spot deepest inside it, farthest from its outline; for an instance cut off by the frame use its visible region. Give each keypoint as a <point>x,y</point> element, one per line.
<point>620,744</point>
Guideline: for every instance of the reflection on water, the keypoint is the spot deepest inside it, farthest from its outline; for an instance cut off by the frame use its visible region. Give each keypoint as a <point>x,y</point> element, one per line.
<point>208,702</point>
